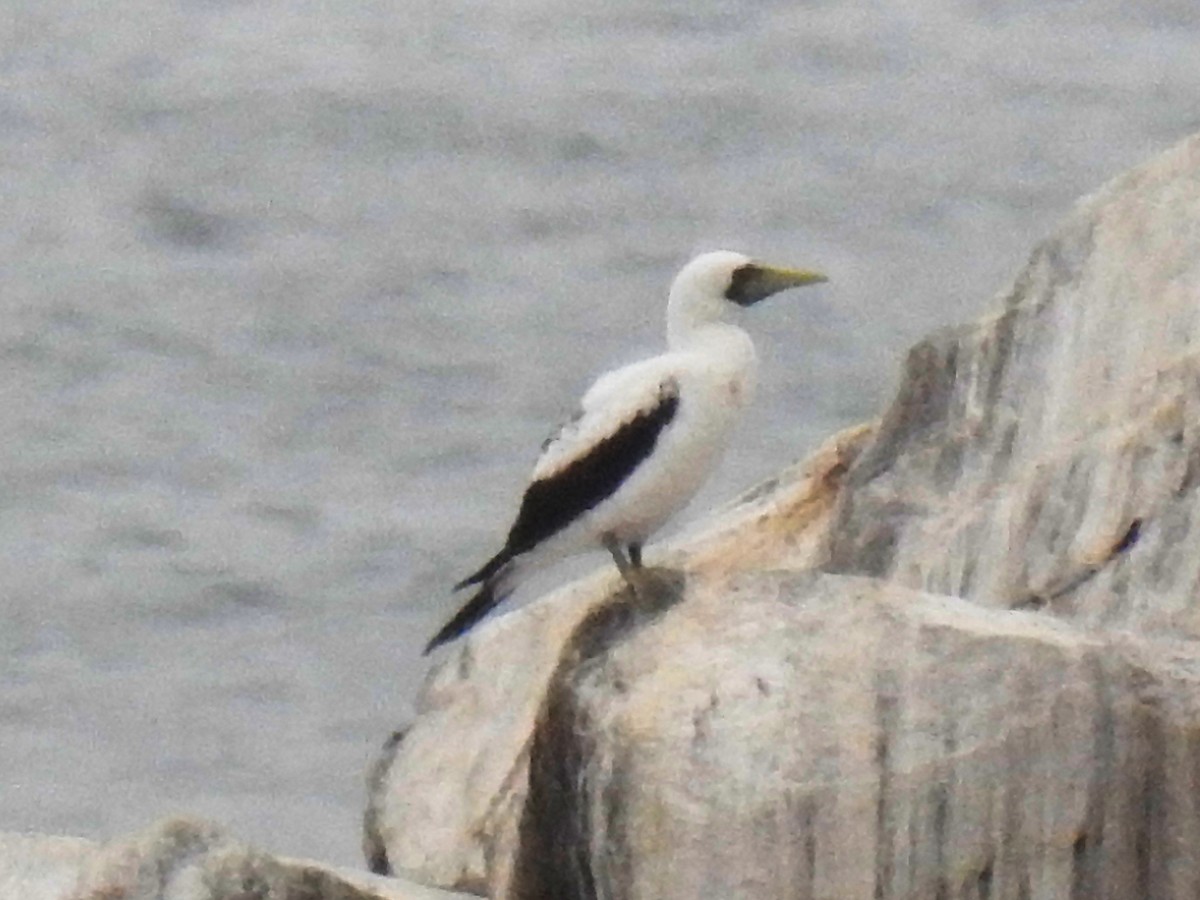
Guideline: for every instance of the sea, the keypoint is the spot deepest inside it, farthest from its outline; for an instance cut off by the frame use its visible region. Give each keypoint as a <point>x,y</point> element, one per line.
<point>291,291</point>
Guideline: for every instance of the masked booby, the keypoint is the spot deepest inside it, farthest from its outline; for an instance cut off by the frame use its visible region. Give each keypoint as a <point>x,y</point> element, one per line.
<point>645,438</point>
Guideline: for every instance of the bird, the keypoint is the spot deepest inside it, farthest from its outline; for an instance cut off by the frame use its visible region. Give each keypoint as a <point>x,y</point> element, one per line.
<point>644,440</point>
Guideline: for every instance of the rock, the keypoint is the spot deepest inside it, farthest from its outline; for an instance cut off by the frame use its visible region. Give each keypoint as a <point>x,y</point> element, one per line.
<point>41,867</point>
<point>801,736</point>
<point>952,656</point>
<point>180,859</point>
<point>1049,455</point>
<point>447,798</point>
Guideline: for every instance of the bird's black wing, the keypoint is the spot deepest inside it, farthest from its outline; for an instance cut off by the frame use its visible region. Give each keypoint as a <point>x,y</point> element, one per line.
<point>585,463</point>
<point>589,458</point>
<point>553,502</point>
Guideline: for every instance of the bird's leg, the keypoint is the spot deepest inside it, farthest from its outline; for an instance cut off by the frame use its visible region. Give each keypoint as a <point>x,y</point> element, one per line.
<point>635,555</point>
<point>613,546</point>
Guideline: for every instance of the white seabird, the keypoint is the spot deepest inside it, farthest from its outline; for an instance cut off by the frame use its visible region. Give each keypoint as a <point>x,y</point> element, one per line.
<point>645,439</point>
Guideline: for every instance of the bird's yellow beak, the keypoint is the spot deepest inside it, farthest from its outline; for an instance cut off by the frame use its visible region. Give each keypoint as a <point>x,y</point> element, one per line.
<point>781,279</point>
<point>756,281</point>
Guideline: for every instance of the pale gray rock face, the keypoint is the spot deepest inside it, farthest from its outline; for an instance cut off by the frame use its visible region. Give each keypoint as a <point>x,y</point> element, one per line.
<point>842,737</point>
<point>1050,453</point>
<point>179,859</point>
<point>41,867</point>
<point>951,656</point>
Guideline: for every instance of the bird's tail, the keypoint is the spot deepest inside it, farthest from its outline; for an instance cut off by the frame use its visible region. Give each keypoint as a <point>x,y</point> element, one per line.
<point>489,568</point>
<point>484,601</point>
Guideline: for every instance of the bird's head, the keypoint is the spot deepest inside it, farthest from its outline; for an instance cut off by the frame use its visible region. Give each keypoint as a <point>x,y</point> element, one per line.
<point>707,287</point>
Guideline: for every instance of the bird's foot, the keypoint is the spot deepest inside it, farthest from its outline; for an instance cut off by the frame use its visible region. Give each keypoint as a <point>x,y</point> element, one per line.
<point>641,582</point>
<point>654,589</point>
<point>650,587</point>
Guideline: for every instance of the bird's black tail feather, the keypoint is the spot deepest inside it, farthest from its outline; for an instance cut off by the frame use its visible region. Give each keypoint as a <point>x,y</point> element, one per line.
<point>490,568</point>
<point>464,620</point>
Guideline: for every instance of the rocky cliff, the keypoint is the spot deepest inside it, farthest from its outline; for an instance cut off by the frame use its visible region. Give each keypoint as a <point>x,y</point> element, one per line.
<point>953,655</point>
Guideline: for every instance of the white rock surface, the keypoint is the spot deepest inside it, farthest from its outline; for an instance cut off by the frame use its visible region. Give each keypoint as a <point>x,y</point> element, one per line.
<point>983,686</point>
<point>801,736</point>
<point>180,859</point>
<point>41,867</point>
<point>1022,449</point>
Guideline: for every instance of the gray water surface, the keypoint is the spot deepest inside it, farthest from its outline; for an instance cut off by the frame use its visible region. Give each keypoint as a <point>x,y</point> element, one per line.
<point>292,291</point>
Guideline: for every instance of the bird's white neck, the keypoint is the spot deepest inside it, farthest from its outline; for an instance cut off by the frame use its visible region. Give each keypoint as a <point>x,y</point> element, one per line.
<point>707,336</point>
<point>692,315</point>
<point>696,323</point>
<point>726,349</point>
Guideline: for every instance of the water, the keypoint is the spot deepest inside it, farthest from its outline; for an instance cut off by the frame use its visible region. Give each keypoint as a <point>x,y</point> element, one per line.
<point>291,292</point>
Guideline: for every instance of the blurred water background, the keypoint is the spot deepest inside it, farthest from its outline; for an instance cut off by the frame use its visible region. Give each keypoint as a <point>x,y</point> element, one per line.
<point>292,290</point>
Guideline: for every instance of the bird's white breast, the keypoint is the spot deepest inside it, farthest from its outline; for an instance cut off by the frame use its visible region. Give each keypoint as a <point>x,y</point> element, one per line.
<point>716,379</point>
